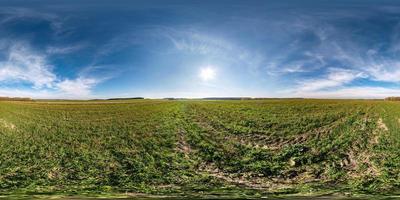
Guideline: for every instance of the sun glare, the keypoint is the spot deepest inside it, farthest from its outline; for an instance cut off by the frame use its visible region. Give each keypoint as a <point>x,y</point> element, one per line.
<point>207,74</point>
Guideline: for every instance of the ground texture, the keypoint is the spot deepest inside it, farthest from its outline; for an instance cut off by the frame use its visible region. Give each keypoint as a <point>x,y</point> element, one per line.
<point>180,147</point>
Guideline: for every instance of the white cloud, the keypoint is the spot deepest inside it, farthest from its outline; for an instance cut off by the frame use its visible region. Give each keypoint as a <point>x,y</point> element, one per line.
<point>385,72</point>
<point>27,72</point>
<point>80,87</point>
<point>372,61</point>
<point>22,65</point>
<point>350,92</point>
<point>213,47</point>
<point>25,65</point>
<point>12,14</point>
<point>294,69</point>
<point>40,94</point>
<point>199,43</point>
<point>336,77</point>
<point>64,50</point>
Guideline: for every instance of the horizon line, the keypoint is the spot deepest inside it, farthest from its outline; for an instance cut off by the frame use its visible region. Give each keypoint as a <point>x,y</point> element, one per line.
<point>193,98</point>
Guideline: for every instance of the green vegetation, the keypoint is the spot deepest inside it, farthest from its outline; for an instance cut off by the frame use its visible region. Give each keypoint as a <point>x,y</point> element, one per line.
<point>246,147</point>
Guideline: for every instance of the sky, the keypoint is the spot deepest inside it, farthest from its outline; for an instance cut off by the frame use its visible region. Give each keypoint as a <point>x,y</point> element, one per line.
<point>198,48</point>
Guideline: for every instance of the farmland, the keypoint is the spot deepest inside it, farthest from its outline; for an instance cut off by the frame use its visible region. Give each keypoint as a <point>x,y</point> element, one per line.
<point>200,147</point>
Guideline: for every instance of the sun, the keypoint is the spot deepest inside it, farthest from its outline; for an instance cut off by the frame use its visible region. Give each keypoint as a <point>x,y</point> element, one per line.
<point>207,73</point>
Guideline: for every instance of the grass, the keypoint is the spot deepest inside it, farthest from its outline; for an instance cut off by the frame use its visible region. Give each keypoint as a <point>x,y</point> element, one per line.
<point>247,148</point>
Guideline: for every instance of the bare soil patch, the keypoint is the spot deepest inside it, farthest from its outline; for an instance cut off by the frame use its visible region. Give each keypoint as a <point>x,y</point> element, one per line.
<point>7,124</point>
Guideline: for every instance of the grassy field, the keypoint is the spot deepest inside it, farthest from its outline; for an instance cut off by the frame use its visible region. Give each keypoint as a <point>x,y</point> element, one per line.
<point>251,147</point>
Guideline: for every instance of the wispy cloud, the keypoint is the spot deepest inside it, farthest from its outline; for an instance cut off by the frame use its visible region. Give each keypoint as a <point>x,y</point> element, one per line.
<point>336,77</point>
<point>385,71</point>
<point>87,79</point>
<point>64,49</point>
<point>352,92</point>
<point>80,87</point>
<point>26,70</point>
<point>330,54</point>
<point>23,64</point>
<point>195,42</point>
<point>13,14</point>
<point>214,47</point>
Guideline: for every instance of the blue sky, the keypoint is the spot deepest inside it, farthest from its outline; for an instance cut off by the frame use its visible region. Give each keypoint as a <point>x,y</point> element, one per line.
<point>100,49</point>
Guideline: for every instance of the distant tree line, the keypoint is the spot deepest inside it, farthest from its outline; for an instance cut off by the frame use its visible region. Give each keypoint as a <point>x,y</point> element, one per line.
<point>129,98</point>
<point>232,98</point>
<point>392,99</point>
<point>14,99</point>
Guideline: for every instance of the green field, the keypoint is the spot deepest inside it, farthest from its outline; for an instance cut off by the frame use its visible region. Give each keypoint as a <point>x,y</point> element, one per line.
<point>252,147</point>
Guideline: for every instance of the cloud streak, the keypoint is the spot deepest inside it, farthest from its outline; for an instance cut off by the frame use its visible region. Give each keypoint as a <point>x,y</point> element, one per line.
<point>351,92</point>
<point>199,43</point>
<point>335,78</point>
<point>22,64</point>
<point>80,87</point>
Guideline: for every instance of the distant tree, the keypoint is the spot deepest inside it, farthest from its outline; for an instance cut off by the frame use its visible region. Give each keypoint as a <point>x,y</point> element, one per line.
<point>14,99</point>
<point>392,99</point>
